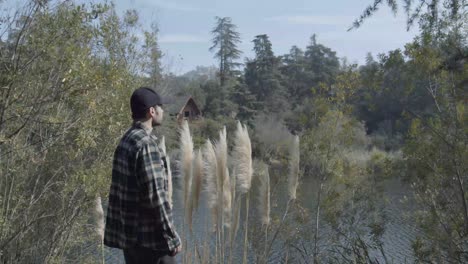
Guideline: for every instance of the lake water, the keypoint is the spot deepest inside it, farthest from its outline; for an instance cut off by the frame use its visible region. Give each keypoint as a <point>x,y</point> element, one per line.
<point>397,237</point>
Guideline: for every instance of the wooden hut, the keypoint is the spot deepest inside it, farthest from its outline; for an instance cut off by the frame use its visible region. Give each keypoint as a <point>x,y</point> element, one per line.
<point>189,111</point>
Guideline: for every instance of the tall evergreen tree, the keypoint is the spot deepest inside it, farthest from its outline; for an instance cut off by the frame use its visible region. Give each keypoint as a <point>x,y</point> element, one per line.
<point>245,101</point>
<point>293,69</point>
<point>264,57</point>
<point>262,74</point>
<point>321,62</point>
<point>225,41</point>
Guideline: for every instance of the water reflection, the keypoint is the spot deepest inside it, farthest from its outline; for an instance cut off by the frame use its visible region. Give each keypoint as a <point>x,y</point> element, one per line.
<point>397,237</point>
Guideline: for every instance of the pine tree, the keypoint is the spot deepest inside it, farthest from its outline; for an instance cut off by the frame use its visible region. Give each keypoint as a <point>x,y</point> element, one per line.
<point>293,69</point>
<point>264,57</point>
<point>321,62</point>
<point>225,41</point>
<point>263,77</point>
<point>245,100</point>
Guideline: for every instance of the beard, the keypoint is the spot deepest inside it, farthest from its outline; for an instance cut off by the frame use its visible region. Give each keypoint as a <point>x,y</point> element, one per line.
<point>155,122</point>
<point>157,118</point>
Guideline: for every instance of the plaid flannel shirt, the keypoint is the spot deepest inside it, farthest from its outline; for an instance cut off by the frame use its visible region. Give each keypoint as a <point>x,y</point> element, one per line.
<point>139,213</point>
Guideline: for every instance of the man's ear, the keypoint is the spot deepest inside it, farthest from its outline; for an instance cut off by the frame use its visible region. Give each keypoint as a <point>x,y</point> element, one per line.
<point>151,112</point>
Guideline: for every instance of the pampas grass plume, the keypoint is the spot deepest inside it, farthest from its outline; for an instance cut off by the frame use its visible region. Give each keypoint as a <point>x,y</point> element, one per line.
<point>243,159</point>
<point>211,181</point>
<point>186,149</point>
<point>264,193</point>
<point>236,204</point>
<point>197,175</point>
<point>210,170</point>
<point>169,172</point>
<point>197,178</point>
<point>221,157</point>
<point>293,179</point>
<point>162,145</point>
<point>227,203</point>
<point>99,217</point>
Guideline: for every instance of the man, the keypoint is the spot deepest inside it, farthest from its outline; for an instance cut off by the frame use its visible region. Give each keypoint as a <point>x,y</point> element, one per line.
<point>139,217</point>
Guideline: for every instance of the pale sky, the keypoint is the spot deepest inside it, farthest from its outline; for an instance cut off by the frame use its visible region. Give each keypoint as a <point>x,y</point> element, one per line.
<point>185,27</point>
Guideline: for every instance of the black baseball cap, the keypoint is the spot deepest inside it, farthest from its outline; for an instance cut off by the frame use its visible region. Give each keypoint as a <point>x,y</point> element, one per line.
<point>142,99</point>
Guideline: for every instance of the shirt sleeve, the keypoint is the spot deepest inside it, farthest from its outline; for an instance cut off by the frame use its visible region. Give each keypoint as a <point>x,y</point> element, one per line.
<point>151,180</point>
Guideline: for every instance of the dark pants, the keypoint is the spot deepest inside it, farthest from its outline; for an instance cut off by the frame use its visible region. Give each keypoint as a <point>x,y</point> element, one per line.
<point>140,255</point>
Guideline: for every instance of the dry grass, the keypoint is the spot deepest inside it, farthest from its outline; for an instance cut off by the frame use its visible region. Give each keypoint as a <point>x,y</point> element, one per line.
<point>210,168</point>
<point>221,157</point>
<point>197,178</point>
<point>227,202</point>
<point>264,193</point>
<point>99,217</point>
<point>186,151</point>
<point>162,146</point>
<point>242,159</point>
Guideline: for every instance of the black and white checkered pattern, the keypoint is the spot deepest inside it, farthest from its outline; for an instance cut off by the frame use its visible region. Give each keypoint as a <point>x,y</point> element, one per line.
<point>139,213</point>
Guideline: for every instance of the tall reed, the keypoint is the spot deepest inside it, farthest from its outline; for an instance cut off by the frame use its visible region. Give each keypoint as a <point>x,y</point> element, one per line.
<point>221,157</point>
<point>227,202</point>
<point>186,154</point>
<point>162,146</point>
<point>242,160</point>
<point>186,151</point>
<point>99,222</point>
<point>264,202</point>
<point>196,184</point>
<point>211,179</point>
<point>293,179</point>
<point>264,193</point>
<point>242,156</point>
<point>235,216</point>
<point>221,172</point>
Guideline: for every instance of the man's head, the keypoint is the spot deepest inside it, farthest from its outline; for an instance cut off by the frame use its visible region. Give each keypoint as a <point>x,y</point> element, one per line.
<point>145,104</point>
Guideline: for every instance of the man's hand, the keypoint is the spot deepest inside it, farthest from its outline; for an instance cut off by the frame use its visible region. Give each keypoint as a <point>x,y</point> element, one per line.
<point>177,250</point>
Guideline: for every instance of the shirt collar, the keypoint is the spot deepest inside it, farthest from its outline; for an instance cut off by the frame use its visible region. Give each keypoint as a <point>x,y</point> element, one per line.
<point>139,124</point>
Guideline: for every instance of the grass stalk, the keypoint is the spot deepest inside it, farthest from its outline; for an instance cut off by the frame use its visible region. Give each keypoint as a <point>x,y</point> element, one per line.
<point>246,228</point>
<point>286,211</point>
<point>102,252</point>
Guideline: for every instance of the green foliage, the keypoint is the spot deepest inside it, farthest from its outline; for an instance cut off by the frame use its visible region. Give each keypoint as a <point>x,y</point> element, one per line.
<point>295,75</point>
<point>246,102</point>
<point>67,73</point>
<point>321,62</point>
<point>263,78</point>
<point>217,100</point>
<point>414,10</point>
<point>436,152</point>
<point>340,95</point>
<point>151,60</point>
<point>316,67</point>
<point>350,193</point>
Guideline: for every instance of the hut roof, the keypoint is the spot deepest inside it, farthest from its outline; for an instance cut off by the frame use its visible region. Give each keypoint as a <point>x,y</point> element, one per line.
<point>190,99</point>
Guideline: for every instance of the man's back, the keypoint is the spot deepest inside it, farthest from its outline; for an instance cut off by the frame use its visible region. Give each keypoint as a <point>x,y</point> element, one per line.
<point>139,213</point>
